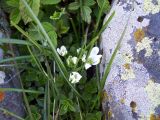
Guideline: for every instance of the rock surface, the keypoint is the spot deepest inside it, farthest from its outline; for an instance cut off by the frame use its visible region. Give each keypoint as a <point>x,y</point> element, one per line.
<point>133,84</point>
<point>11,101</point>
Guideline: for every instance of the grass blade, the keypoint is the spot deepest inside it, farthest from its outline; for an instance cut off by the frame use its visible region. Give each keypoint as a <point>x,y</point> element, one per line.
<point>107,70</point>
<point>16,58</point>
<point>14,41</point>
<point>12,114</point>
<point>21,90</point>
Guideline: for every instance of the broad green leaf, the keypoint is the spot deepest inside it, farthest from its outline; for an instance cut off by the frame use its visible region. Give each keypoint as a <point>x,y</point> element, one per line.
<point>13,3</point>
<point>104,4</point>
<point>89,2</point>
<point>35,33</point>
<point>15,16</point>
<point>34,4</point>
<point>73,6</point>
<point>50,2</point>
<point>61,28</point>
<point>51,32</point>
<point>86,11</point>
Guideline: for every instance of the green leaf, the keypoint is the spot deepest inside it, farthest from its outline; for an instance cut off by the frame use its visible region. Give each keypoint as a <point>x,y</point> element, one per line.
<point>34,4</point>
<point>13,3</point>
<point>61,28</point>
<point>15,16</point>
<point>50,2</point>
<point>89,2</point>
<point>51,32</point>
<point>104,4</point>
<point>91,86</point>
<point>94,116</point>
<point>57,15</point>
<point>73,6</point>
<point>86,11</point>
<point>66,106</point>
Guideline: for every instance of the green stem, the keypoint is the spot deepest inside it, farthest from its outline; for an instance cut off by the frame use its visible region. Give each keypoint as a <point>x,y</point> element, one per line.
<point>74,29</point>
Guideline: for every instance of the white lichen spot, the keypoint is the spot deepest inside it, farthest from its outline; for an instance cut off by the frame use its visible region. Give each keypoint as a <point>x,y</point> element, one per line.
<point>153,91</point>
<point>145,44</point>
<point>128,74</point>
<point>151,7</point>
<point>159,52</point>
<point>2,77</point>
<point>127,58</point>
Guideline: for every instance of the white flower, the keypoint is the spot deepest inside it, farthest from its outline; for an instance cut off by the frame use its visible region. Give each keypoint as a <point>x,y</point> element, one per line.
<point>2,77</point>
<point>62,50</point>
<point>74,60</point>
<point>74,77</point>
<point>84,58</point>
<point>78,50</point>
<point>93,58</point>
<point>71,60</point>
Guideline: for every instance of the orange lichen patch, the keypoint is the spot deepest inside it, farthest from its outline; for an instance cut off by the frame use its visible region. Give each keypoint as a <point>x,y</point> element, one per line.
<point>139,34</point>
<point>2,96</point>
<point>158,117</point>
<point>152,117</point>
<point>127,66</point>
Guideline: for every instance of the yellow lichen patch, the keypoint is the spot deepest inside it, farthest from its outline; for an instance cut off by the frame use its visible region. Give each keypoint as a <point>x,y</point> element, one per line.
<point>150,7</point>
<point>145,44</point>
<point>109,114</point>
<point>139,34</point>
<point>152,117</point>
<point>122,100</point>
<point>127,66</point>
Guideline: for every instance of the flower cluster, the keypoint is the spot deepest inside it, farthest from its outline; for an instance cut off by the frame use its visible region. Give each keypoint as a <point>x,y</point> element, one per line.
<point>93,58</point>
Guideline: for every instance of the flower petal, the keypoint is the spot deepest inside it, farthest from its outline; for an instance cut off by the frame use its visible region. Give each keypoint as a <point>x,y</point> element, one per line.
<point>84,58</point>
<point>96,59</point>
<point>74,77</point>
<point>94,51</point>
<point>87,65</point>
<point>74,60</point>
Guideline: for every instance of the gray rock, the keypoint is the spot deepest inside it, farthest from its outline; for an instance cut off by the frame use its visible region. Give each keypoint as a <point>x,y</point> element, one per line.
<point>133,84</point>
<point>12,101</point>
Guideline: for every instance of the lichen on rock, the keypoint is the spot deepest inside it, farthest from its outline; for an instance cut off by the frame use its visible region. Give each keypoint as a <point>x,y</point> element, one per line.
<point>136,62</point>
